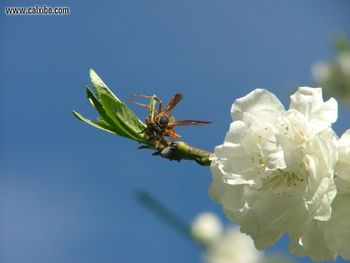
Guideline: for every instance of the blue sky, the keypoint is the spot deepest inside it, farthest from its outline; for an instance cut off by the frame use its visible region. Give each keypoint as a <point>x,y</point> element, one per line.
<point>67,190</point>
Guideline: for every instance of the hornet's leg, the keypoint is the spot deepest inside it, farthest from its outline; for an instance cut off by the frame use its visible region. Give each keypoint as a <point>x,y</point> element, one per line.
<point>140,104</point>
<point>153,97</point>
<point>142,96</point>
<point>159,104</point>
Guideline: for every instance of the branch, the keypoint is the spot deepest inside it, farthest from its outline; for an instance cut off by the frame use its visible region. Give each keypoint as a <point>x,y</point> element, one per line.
<point>116,118</point>
<point>182,151</point>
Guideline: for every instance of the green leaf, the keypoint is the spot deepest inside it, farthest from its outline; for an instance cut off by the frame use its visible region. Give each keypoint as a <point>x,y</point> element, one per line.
<point>98,124</point>
<point>115,116</point>
<point>119,115</point>
<point>104,123</point>
<point>123,118</point>
<point>103,115</point>
<point>99,85</point>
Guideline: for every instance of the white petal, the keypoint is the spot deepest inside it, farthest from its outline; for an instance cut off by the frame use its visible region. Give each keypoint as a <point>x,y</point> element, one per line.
<point>255,101</point>
<point>236,132</point>
<point>233,246</point>
<point>232,160</point>
<point>225,194</point>
<point>320,192</point>
<point>309,240</point>
<point>309,102</point>
<point>263,215</point>
<point>344,140</point>
<point>342,168</point>
<point>337,229</point>
<point>274,154</point>
<point>324,116</point>
<point>306,100</point>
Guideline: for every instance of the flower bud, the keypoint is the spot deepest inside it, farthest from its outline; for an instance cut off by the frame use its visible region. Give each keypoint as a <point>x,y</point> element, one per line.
<point>206,227</point>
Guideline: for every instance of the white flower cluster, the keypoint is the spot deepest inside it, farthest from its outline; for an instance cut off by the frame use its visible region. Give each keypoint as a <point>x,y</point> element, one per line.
<point>285,171</point>
<point>334,76</point>
<point>227,245</point>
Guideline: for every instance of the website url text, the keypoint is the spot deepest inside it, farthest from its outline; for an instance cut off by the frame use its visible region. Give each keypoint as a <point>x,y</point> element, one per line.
<point>37,10</point>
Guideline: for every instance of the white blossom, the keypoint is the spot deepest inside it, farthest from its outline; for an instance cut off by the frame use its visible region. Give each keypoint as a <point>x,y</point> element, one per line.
<point>342,168</point>
<point>337,229</point>
<point>232,247</point>
<point>227,245</point>
<point>334,76</point>
<point>206,228</point>
<point>322,72</point>
<point>274,173</point>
